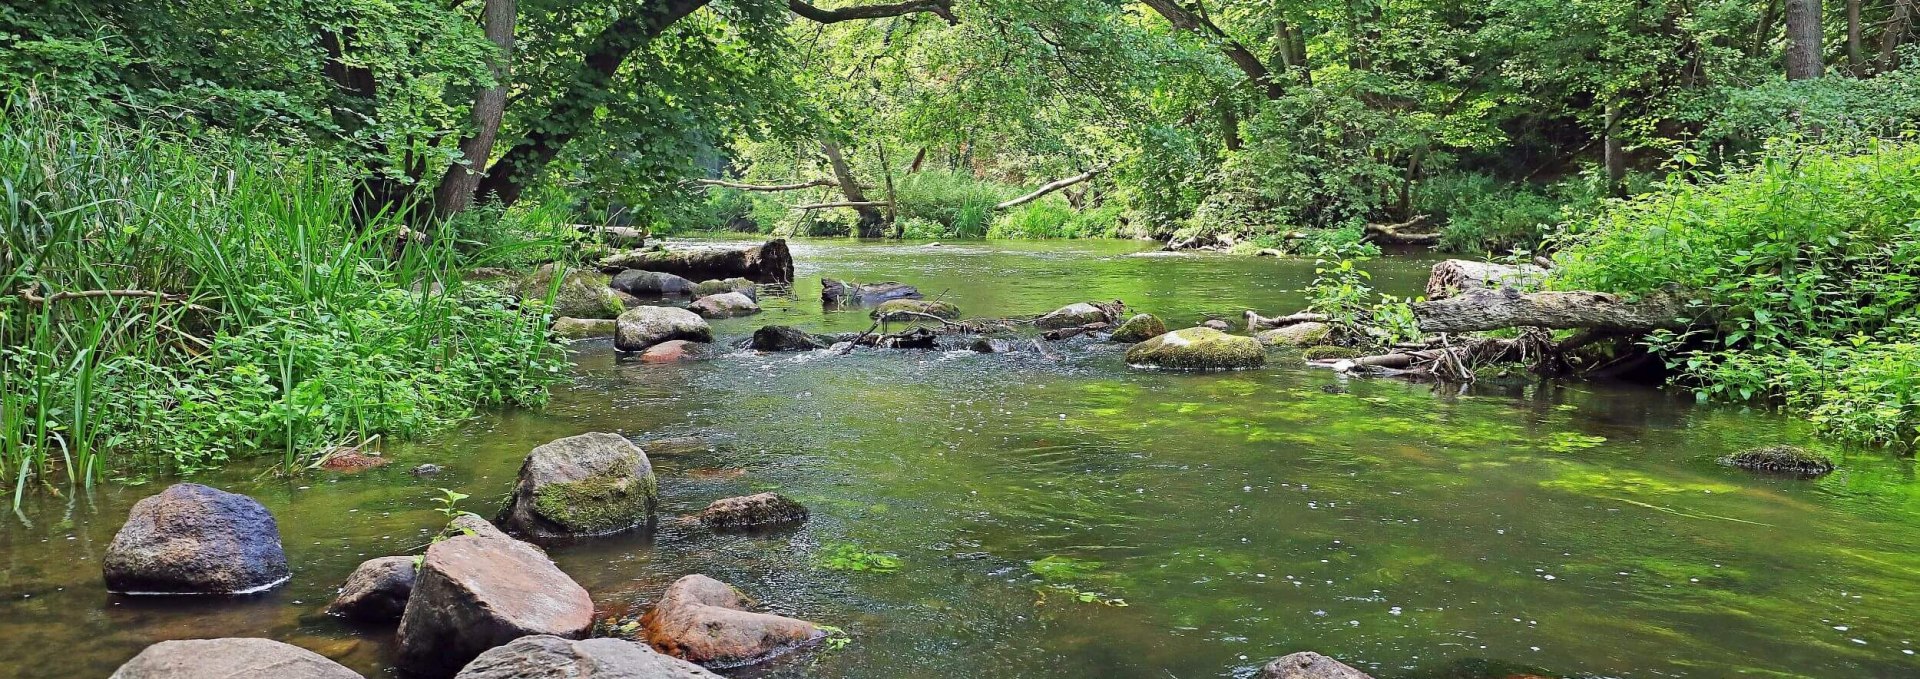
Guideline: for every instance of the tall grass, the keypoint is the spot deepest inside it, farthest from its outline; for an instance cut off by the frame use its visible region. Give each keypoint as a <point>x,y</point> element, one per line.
<point>187,304</point>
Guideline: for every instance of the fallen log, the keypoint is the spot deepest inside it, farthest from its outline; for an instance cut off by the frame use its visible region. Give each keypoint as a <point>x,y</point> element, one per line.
<point>769,262</point>
<point>1455,276</point>
<point>1492,310</point>
<point>1257,322</point>
<point>1401,234</point>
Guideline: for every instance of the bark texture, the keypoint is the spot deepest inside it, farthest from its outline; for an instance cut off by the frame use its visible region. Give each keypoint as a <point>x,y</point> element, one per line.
<point>1804,59</point>
<point>489,108</point>
<point>1492,310</point>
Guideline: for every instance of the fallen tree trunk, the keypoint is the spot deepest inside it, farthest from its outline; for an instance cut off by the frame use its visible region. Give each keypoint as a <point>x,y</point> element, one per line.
<point>1492,310</point>
<point>1051,187</point>
<point>1455,276</point>
<point>769,262</point>
<point>1401,234</point>
<point>1257,322</point>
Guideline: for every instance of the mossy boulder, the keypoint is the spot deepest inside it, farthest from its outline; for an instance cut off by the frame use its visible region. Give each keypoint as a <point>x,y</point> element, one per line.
<point>590,484</point>
<point>725,285</point>
<point>1329,352</point>
<point>725,305</point>
<point>584,328</point>
<point>1297,335</point>
<point>1140,328</point>
<point>1072,315</point>
<point>1197,349</point>
<point>642,327</point>
<point>582,293</point>
<point>1781,460</point>
<point>892,309</point>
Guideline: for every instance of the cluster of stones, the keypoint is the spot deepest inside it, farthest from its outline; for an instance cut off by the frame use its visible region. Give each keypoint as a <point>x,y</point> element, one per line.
<point>481,603</point>
<point>640,308</point>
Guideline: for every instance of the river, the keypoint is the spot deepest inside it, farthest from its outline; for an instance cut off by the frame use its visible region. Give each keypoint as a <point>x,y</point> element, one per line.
<point>1558,529</point>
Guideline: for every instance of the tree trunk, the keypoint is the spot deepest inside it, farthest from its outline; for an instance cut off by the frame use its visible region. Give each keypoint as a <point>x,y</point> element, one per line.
<point>1455,276</point>
<point>1051,187</point>
<point>1855,59</point>
<point>1763,31</point>
<point>1804,58</point>
<point>766,263</point>
<point>1243,58</point>
<point>870,218</point>
<point>1614,154</point>
<point>1493,310</point>
<point>1896,31</point>
<point>489,108</point>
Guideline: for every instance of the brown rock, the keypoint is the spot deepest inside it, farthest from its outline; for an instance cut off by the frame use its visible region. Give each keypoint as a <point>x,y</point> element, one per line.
<point>549,657</point>
<point>376,591</point>
<point>474,593</point>
<point>674,351</point>
<point>1309,665</point>
<point>350,460</point>
<point>706,621</point>
<point>230,659</point>
<point>753,511</point>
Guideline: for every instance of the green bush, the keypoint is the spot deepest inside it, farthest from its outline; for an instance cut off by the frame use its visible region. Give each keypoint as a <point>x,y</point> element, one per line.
<point>957,201</point>
<point>1808,264</point>
<point>267,320</point>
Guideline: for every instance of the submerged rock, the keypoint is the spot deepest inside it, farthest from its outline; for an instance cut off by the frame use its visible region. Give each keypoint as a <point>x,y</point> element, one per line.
<point>1216,324</point>
<point>234,658</point>
<point>347,459</point>
<point>582,293</point>
<point>725,305</point>
<point>1139,328</point>
<point>891,309</point>
<point>1297,335</point>
<point>377,591</point>
<point>1309,665</point>
<point>1781,459</point>
<point>704,620</point>
<point>1197,349</point>
<point>590,484</point>
<point>753,511</point>
<point>550,657</point>
<point>784,338</point>
<point>428,469</point>
<point>642,327</point>
<point>844,294</point>
<point>584,328</point>
<point>725,285</point>
<point>1071,315</point>
<point>676,351</point>
<point>990,345</point>
<point>650,283</point>
<point>191,539</point>
<point>476,592</point>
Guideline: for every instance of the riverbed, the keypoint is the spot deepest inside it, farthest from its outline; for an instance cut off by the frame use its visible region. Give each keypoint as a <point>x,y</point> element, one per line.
<point>1077,518</point>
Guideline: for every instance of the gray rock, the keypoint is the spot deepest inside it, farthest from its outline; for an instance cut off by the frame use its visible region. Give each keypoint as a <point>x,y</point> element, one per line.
<point>551,657</point>
<point>191,539</point>
<point>834,293</point>
<point>725,285</point>
<point>469,523</point>
<point>377,591</point>
<point>1071,315</point>
<point>753,511</point>
<point>725,305</point>
<point>892,309</point>
<point>784,338</point>
<point>584,328</point>
<point>650,283</point>
<point>234,658</point>
<point>428,469</point>
<point>1297,335</point>
<point>1216,324</point>
<point>1309,665</point>
<point>1197,349</point>
<point>989,345</point>
<point>1140,328</point>
<point>477,592</point>
<point>642,327</point>
<point>590,484</point>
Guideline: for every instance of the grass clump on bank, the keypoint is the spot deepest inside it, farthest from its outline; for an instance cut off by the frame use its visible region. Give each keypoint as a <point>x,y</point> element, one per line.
<point>1807,265</point>
<point>186,305</point>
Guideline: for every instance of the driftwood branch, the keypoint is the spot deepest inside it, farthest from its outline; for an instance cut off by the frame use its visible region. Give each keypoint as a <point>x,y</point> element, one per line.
<point>169,298</point>
<point>1051,187</point>
<point>1492,310</point>
<point>1401,234</point>
<point>1257,322</point>
<point>823,181</point>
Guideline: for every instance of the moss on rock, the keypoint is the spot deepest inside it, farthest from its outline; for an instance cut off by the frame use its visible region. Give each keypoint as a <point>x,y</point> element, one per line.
<point>602,503</point>
<point>1781,459</point>
<point>1327,352</point>
<point>1140,328</point>
<point>1297,335</point>
<point>889,309</point>
<point>1197,349</point>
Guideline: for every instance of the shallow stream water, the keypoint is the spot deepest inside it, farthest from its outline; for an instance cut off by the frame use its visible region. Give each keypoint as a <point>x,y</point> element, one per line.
<point>1408,529</point>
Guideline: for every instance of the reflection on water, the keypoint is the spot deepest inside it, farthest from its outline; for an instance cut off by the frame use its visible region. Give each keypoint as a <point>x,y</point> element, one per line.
<point>1414,531</point>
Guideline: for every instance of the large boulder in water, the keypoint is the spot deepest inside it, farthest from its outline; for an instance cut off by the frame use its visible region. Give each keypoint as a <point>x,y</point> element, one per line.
<point>584,328</point>
<point>551,657</point>
<point>476,592</point>
<point>642,327</point>
<point>1073,315</point>
<point>834,293</point>
<point>581,293</point>
<point>191,539</point>
<point>590,484</point>
<point>1138,329</point>
<point>784,338</point>
<point>725,285</point>
<point>904,310</point>
<point>706,621</point>
<point>725,305</point>
<point>1309,665</point>
<point>753,511</point>
<point>1306,334</point>
<point>650,283</point>
<point>377,591</point>
<point>1781,460</point>
<point>1197,349</point>
<point>230,659</point>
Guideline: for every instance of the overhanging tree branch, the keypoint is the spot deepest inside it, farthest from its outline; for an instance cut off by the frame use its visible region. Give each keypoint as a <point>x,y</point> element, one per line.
<point>1051,187</point>
<point>1250,64</point>
<point>942,8</point>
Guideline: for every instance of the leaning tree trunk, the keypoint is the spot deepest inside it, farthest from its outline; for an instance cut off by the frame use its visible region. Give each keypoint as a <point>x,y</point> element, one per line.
<point>489,108</point>
<point>871,220</point>
<point>1455,276</point>
<point>766,263</point>
<point>1493,310</point>
<point>1803,40</point>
